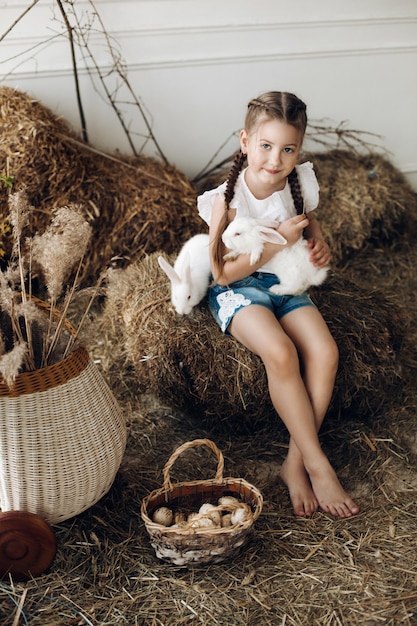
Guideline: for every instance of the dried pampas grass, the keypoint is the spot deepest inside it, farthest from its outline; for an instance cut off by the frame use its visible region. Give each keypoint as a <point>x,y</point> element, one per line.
<point>61,247</point>
<point>33,333</point>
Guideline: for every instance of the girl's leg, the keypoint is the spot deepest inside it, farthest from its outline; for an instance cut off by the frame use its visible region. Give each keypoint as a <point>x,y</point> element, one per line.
<point>319,355</point>
<point>257,328</point>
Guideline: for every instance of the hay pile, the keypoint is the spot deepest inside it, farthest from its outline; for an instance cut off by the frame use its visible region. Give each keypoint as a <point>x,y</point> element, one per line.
<point>135,205</point>
<point>189,363</point>
<point>370,329</point>
<point>363,200</point>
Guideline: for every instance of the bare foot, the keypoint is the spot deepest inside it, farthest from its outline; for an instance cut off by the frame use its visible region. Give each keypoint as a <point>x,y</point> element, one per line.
<point>330,494</point>
<point>302,496</point>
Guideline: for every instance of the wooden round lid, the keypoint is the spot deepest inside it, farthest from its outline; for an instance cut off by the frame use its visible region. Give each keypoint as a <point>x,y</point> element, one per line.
<point>27,545</point>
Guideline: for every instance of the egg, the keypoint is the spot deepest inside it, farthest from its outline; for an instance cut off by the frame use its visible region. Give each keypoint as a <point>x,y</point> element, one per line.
<point>211,512</point>
<point>228,500</point>
<point>203,522</point>
<point>163,516</point>
<point>241,514</point>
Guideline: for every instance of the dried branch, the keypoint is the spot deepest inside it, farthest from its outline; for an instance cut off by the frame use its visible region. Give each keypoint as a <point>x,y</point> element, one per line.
<point>117,69</point>
<point>21,16</point>
<point>122,72</point>
<point>75,71</point>
<point>78,36</point>
<point>341,136</point>
<point>207,169</point>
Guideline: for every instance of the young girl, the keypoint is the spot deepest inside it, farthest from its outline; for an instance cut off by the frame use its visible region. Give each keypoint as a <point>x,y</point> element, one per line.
<point>282,330</point>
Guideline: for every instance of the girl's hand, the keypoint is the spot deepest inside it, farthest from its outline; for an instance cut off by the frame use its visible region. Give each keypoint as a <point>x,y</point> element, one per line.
<point>320,252</point>
<point>293,227</point>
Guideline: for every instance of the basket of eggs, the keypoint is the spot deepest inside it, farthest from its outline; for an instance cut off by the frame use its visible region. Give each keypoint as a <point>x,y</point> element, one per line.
<point>202,521</point>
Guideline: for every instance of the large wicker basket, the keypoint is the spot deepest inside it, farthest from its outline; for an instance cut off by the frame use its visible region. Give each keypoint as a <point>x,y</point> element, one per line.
<point>62,438</point>
<point>185,545</point>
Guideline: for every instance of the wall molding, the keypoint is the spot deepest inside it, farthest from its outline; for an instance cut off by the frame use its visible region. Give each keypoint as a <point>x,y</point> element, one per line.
<point>273,25</point>
<point>273,57</point>
<point>270,58</point>
<point>161,44</point>
<point>209,29</point>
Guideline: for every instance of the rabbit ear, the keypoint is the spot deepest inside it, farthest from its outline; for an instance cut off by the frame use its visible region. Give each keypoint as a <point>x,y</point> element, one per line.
<point>187,274</point>
<point>185,268</point>
<point>271,235</point>
<point>169,271</point>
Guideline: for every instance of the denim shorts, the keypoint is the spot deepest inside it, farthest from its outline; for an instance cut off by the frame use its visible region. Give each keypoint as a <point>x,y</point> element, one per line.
<point>226,301</point>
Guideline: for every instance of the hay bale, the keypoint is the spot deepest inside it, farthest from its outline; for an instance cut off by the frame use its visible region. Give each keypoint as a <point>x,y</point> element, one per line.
<point>369,327</point>
<point>135,205</point>
<point>191,365</point>
<point>363,199</point>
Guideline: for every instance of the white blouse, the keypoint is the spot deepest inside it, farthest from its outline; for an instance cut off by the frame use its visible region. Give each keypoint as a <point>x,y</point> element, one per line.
<point>279,206</point>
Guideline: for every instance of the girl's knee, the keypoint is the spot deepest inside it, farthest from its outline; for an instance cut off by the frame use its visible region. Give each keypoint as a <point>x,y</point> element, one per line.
<point>328,356</point>
<point>281,357</point>
<point>322,357</point>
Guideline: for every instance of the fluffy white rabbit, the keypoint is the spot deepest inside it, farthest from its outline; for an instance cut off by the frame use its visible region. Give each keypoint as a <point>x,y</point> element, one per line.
<point>292,265</point>
<point>190,275</point>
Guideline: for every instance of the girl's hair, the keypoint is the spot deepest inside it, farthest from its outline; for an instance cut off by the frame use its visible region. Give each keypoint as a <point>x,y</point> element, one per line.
<point>280,105</point>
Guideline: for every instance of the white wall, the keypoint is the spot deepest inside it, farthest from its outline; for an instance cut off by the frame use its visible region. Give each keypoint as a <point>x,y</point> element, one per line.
<point>195,63</point>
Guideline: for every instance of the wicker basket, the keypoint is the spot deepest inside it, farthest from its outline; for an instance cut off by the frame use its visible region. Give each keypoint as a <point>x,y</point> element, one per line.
<point>62,438</point>
<point>190,546</point>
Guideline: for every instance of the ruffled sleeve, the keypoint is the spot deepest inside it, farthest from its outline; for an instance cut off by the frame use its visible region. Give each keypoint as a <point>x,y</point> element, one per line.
<point>309,185</point>
<point>205,202</point>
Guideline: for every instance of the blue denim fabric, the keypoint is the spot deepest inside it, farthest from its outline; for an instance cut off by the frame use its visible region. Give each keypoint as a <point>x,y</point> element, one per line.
<point>225,301</point>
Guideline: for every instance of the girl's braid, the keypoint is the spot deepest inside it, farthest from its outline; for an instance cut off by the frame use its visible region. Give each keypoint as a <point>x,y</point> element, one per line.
<point>297,196</point>
<point>228,197</point>
<point>256,102</point>
<point>232,178</point>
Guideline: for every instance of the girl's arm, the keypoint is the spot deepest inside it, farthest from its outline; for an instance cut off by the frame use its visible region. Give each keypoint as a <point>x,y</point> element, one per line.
<point>320,251</point>
<point>240,267</point>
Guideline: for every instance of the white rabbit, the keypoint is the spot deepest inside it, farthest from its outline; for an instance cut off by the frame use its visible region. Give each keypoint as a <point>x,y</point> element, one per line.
<point>247,235</point>
<point>190,275</point>
<point>292,265</point>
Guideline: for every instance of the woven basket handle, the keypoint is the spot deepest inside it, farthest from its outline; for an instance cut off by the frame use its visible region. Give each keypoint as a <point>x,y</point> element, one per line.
<point>193,444</point>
